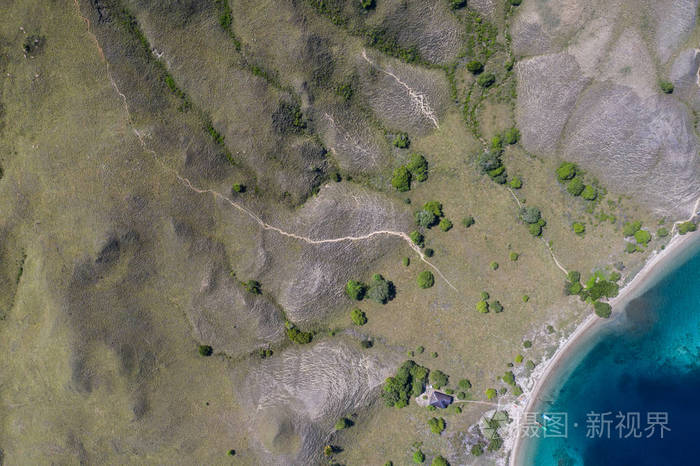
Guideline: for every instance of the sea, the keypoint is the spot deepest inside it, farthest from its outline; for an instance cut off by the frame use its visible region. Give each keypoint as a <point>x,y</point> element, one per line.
<point>630,394</point>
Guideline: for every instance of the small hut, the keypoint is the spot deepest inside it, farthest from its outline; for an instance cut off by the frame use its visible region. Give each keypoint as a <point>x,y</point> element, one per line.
<point>440,400</point>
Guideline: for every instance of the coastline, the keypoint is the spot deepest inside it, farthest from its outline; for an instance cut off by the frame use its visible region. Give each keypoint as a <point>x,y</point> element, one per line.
<point>643,280</point>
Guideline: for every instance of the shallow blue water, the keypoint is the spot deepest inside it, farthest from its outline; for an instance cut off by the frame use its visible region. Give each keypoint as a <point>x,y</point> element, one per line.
<point>648,361</point>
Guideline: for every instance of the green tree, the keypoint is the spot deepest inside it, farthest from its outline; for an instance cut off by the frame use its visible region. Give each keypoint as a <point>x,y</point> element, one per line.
<point>439,460</point>
<point>253,287</point>
<point>514,256</point>
<point>238,188</point>
<point>468,221</point>
<point>527,344</point>
<point>402,141</point>
<point>566,171</point>
<point>642,237</point>
<point>358,317</point>
<point>666,87</point>
<point>662,232</point>
<point>437,425</point>
<point>298,336</point>
<point>602,309</point>
<point>512,136</point>
<point>482,306</point>
<point>445,224</point>
<point>579,228</point>
<point>516,182</point>
<point>491,393</point>
<point>401,180</point>
<point>438,379</point>
<point>418,457</point>
<point>475,66</point>
<point>496,306</point>
<point>464,384</point>
<point>343,423</point>
<point>426,279</point>
<point>589,193</point>
<point>418,166</point>
<point>380,290</point>
<point>686,227</point>
<point>417,238</point>
<point>355,290</point>
<point>486,80</point>
<point>575,186</point>
<point>409,381</point>
<point>485,295</point>
<point>530,215</point>
<point>435,207</point>
<point>494,265</point>
<point>509,378</point>
<point>477,450</point>
<point>630,228</point>
<point>426,218</point>
<point>205,350</point>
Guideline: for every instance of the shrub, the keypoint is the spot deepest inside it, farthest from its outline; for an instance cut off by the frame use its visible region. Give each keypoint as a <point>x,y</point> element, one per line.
<point>550,329</point>
<point>355,290</point>
<point>438,379</point>
<point>642,237</point>
<point>519,358</point>
<point>367,4</point>
<point>435,207</point>
<point>408,381</point>
<point>462,395</point>
<point>401,180</point>
<point>238,188</point>
<point>484,295</point>
<point>426,279</point>
<point>579,228</point>
<point>512,136</point>
<point>530,215</point>
<point>482,306</point>
<point>434,354</point>
<point>575,186</point>
<point>345,91</point>
<point>439,460</point>
<point>509,378</point>
<point>589,193</point>
<point>566,171</point>
<point>573,276</point>
<point>429,252</point>
<point>662,232</point>
<point>630,248</point>
<point>687,227</point>
<point>615,276</point>
<point>490,163</point>
<point>491,393</point>
<point>464,384</point>
<point>437,425</point>
<point>418,457</point>
<point>406,261</point>
<point>477,449</point>
<point>516,182</point>
<point>417,238</point>
<point>231,452</point>
<point>445,224</point>
<point>514,256</point>
<point>343,423</point>
<point>486,80</point>
<point>297,336</point>
<point>527,344</point>
<point>205,350</point>
<point>380,289</point>
<point>475,66</point>
<point>468,221</point>
<point>253,286</point>
<point>328,450</point>
<point>602,309</point>
<point>497,306</point>
<point>516,2</point>
<point>418,167</point>
<point>526,298</point>
<point>33,43</point>
<point>666,87</point>
<point>630,228</point>
<point>535,229</point>
<point>358,317</point>
<point>494,265</point>
<point>497,143</point>
<point>601,288</point>
<point>402,141</point>
<point>425,218</point>
<point>420,350</point>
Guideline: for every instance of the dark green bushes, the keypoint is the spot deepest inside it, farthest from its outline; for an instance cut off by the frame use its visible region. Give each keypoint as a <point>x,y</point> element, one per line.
<point>439,460</point>
<point>490,163</point>
<point>358,317</point>
<point>589,193</point>
<point>445,224</point>
<point>426,279</point>
<point>516,182</point>
<point>437,425</point>
<point>418,166</point>
<point>630,228</point>
<point>468,221</point>
<point>355,290</point>
<point>417,238</point>
<point>482,306</point>
<point>642,237</point>
<point>402,141</point>
<point>511,136</point>
<point>533,218</point>
<point>566,171</point>
<point>408,381</point>
<point>298,336</point>
<point>380,289</point>
<point>579,228</point>
<point>205,350</point>
<point>575,186</point>
<point>666,87</point>
<point>686,227</point>
<point>602,309</point>
<point>253,286</point>
<point>418,457</point>
<point>343,423</point>
<point>401,180</point>
<point>475,66</point>
<point>438,379</point>
<point>486,80</point>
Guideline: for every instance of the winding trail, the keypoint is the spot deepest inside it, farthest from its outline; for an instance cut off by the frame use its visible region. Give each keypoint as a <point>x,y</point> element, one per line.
<point>419,100</point>
<point>217,195</point>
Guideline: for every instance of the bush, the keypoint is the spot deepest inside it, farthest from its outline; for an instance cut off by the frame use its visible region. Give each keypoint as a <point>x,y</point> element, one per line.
<point>328,450</point>
<point>615,276</point>
<point>512,136</point>
<point>687,227</point>
<point>417,238</point>
<point>238,188</point>
<point>358,317</point>
<point>666,87</point>
<point>408,381</point>
<point>601,288</point>
<point>482,306</point>
<point>475,66</point>
<point>406,261</point>
<point>516,182</point>
<point>535,229</point>
<point>435,207</point>
<point>231,452</point>
<point>418,457</point>
<point>434,354</point>
<point>602,309</point>
<point>429,252</point>
<point>579,228</point>
<point>662,232</point>
<point>514,256</point>
<point>529,365</point>
<point>253,286</point>
<point>420,350</point>
<point>418,167</point>
<point>367,4</point>
<point>497,306</point>
<point>575,186</point>
<point>486,80</point>
<point>516,2</point>
<point>484,295</point>
<point>401,180</point>
<point>630,228</point>
<point>477,449</point>
<point>439,460</point>
<point>438,379</point>
<point>380,289</point>
<point>519,358</point>
<point>509,378</point>
<point>630,248</point>
<point>426,279</point>
<point>299,337</point>
<point>402,141</point>
<point>642,237</point>
<point>589,193</point>
<point>566,171</point>
<point>343,423</point>
<point>205,350</point>
<point>437,425</point>
<point>494,265</point>
<point>573,276</point>
<point>530,215</point>
<point>445,224</point>
<point>468,221</point>
<point>426,218</point>
<point>527,344</point>
<point>464,384</point>
<point>526,298</point>
<point>491,393</point>
<point>355,290</point>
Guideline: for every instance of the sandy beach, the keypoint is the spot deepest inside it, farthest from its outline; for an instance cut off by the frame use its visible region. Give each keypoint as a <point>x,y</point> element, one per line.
<point>644,279</point>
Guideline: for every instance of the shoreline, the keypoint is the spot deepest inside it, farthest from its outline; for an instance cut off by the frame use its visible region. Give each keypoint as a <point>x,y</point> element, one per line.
<point>643,280</point>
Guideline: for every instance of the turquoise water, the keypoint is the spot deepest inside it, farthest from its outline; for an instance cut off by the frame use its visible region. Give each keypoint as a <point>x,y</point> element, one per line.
<point>646,361</point>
